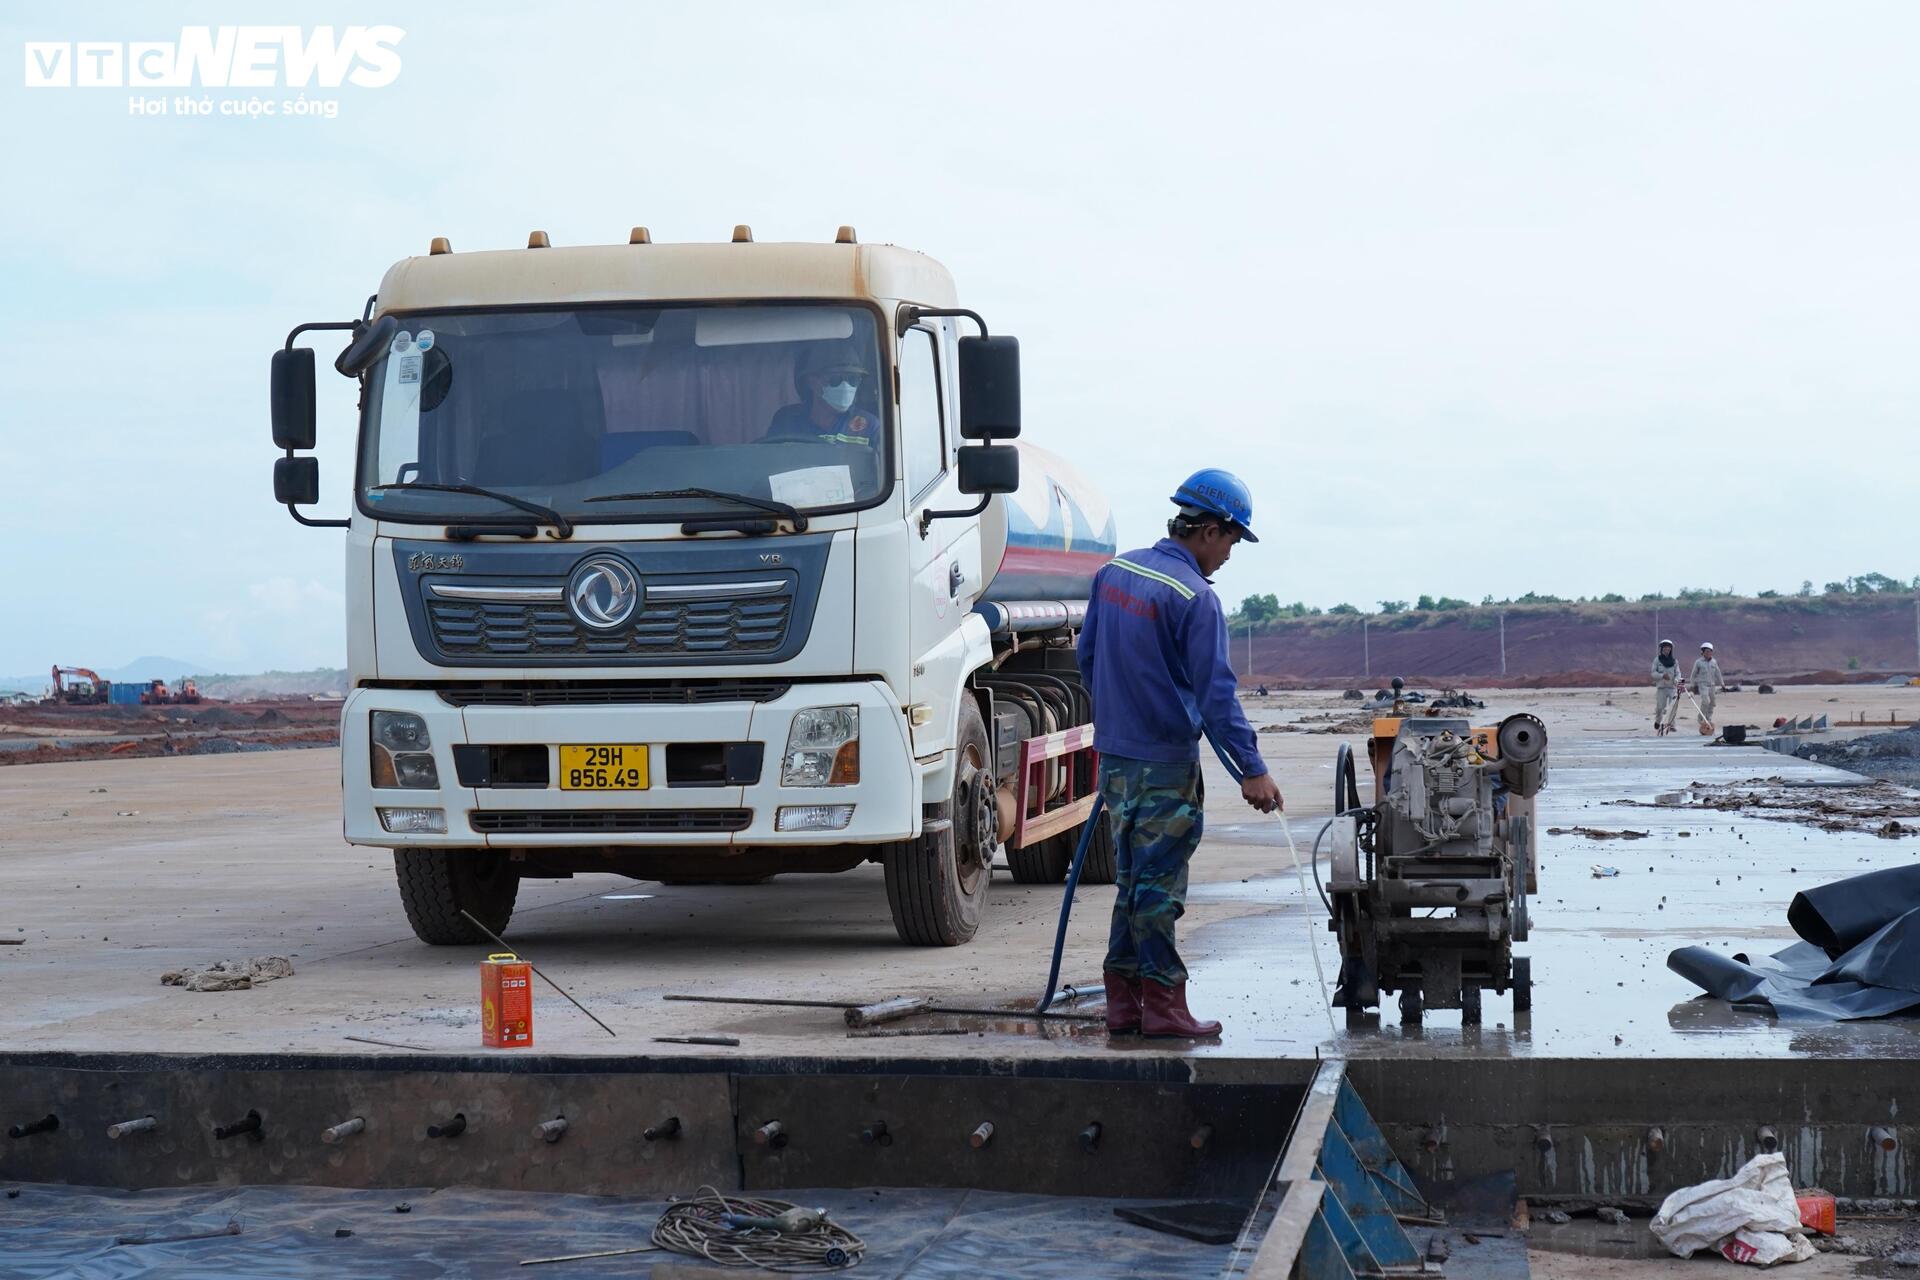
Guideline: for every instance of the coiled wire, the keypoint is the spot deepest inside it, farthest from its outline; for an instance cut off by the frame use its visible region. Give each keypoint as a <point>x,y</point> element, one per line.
<point>696,1226</point>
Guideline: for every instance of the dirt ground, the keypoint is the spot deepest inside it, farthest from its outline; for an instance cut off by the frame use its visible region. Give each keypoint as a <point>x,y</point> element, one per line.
<point>50,734</point>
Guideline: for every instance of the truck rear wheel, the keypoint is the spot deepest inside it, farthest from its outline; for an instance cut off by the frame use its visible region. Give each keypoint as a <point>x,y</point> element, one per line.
<point>437,884</point>
<point>1044,862</point>
<point>937,884</point>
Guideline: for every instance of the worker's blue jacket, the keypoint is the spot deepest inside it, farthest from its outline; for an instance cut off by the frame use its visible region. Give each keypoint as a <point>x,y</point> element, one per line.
<point>1154,653</point>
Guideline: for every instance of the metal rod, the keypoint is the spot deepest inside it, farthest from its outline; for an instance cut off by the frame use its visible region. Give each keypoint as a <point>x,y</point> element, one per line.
<point>249,1124</point>
<point>955,1010</point>
<point>872,1015</point>
<point>345,1129</point>
<point>125,1127</point>
<point>604,1253</point>
<point>45,1124</point>
<point>728,1041</point>
<point>387,1044</point>
<point>536,968</point>
<point>668,1128</point>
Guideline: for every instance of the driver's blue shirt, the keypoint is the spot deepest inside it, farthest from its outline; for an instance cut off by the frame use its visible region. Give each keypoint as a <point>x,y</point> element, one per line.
<point>795,422</point>
<point>1154,654</point>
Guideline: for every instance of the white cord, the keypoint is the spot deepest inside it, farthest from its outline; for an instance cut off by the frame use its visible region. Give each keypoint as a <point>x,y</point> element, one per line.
<point>1313,941</point>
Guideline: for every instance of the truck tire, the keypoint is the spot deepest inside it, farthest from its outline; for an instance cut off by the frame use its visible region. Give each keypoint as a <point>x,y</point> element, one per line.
<point>937,884</point>
<point>437,884</point>
<point>1099,867</point>
<point>1045,862</point>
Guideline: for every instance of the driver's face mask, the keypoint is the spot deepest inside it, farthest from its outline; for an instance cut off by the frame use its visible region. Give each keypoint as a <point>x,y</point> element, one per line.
<point>838,394</point>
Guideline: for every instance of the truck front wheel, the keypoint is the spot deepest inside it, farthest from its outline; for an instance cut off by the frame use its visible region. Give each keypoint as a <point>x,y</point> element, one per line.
<point>437,884</point>
<point>937,884</point>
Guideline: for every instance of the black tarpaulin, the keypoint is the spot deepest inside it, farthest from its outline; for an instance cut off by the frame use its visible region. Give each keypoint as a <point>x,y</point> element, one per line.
<point>1860,957</point>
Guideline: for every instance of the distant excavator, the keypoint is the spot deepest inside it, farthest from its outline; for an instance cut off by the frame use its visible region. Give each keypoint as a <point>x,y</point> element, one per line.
<point>156,694</point>
<point>85,689</point>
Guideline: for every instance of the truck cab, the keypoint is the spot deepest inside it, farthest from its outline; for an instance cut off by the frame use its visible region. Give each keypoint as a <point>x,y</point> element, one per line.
<point>673,561</point>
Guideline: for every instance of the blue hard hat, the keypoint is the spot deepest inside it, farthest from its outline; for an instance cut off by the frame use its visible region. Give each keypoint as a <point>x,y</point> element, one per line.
<point>1219,493</point>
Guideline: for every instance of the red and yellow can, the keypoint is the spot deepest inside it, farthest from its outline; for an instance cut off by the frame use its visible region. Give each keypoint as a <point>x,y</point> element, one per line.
<point>506,1002</point>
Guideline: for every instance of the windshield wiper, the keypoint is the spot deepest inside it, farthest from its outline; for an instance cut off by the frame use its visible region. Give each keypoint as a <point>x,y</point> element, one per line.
<point>563,527</point>
<point>782,509</point>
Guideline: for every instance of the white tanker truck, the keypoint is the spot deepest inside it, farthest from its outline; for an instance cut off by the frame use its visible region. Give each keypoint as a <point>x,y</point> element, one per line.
<point>700,562</point>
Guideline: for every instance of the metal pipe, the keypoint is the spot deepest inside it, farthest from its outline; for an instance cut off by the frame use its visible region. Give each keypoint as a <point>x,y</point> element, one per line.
<point>668,1128</point>
<point>1090,1137</point>
<point>771,1134</point>
<point>1766,1139</point>
<point>451,1129</point>
<point>345,1129</point>
<point>1201,1136</point>
<point>983,1135</point>
<point>1656,1141</point>
<point>125,1127</point>
<point>551,1130</point>
<point>1883,1137</point>
<point>45,1124</point>
<point>250,1125</point>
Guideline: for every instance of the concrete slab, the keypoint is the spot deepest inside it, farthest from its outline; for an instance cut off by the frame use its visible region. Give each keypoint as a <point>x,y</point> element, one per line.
<point>114,872</point>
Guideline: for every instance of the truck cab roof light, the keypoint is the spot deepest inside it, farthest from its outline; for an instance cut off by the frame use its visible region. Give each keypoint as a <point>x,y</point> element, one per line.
<point>439,246</point>
<point>538,240</point>
<point>742,233</point>
<point>639,235</point>
<point>845,236</point>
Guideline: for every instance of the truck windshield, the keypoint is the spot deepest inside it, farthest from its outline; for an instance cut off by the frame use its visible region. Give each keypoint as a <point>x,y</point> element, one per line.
<point>566,407</point>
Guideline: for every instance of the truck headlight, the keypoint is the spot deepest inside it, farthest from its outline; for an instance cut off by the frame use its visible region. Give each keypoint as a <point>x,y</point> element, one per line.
<point>401,755</point>
<point>823,748</point>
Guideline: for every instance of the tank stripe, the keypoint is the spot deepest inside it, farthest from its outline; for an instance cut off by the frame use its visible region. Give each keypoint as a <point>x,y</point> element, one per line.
<point>1185,591</point>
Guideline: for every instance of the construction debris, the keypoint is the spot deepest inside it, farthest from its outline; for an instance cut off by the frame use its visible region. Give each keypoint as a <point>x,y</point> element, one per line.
<point>230,975</point>
<point>1870,807</point>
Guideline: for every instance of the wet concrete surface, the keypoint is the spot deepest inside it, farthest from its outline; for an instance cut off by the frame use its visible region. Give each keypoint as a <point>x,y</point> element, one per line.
<point>185,861</point>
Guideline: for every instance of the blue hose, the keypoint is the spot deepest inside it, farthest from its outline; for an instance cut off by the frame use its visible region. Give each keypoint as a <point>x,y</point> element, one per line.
<point>1073,879</point>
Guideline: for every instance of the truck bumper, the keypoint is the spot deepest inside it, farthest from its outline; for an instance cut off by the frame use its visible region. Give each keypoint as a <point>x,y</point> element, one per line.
<point>885,802</point>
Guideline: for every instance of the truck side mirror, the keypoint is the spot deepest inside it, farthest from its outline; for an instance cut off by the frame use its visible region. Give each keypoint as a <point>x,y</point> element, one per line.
<point>989,388</point>
<point>296,481</point>
<point>293,414</point>
<point>989,468</point>
<point>370,342</point>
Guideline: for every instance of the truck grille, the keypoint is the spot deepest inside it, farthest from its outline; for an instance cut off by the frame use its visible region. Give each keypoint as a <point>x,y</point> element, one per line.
<point>695,628</point>
<point>602,693</point>
<point>557,821</point>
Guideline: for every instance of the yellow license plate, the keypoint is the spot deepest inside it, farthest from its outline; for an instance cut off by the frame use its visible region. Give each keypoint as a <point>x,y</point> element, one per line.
<point>604,767</point>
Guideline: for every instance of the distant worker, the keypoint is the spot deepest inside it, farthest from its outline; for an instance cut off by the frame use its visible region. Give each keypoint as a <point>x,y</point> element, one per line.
<point>1154,653</point>
<point>829,377</point>
<point>1706,681</point>
<point>1667,684</point>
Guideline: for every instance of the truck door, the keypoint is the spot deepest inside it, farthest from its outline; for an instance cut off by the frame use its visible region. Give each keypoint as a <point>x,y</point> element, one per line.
<point>945,565</point>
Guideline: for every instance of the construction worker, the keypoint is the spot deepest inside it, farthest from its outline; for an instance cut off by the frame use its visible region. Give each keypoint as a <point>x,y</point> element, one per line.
<point>1154,653</point>
<point>1667,684</point>
<point>831,378</point>
<point>1705,681</point>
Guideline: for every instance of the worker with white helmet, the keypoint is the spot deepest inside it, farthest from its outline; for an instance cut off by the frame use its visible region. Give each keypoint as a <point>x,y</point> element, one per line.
<point>1706,681</point>
<point>1667,684</point>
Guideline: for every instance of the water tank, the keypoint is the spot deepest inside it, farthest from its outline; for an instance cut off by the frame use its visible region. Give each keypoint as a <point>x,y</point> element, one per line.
<point>1049,537</point>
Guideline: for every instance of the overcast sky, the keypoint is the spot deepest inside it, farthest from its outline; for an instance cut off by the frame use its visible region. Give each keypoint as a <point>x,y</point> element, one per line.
<point>1479,298</point>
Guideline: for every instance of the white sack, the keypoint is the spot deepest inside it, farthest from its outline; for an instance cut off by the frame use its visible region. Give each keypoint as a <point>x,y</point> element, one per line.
<point>1759,1198</point>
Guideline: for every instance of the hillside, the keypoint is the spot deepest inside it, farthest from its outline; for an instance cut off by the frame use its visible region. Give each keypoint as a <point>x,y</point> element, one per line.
<point>1868,636</point>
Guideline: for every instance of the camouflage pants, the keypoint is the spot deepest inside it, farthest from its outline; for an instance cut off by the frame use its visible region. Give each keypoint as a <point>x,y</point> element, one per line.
<point>1154,810</point>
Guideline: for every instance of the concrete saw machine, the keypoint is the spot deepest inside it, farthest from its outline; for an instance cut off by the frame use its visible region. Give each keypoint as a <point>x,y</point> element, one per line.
<point>1429,883</point>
